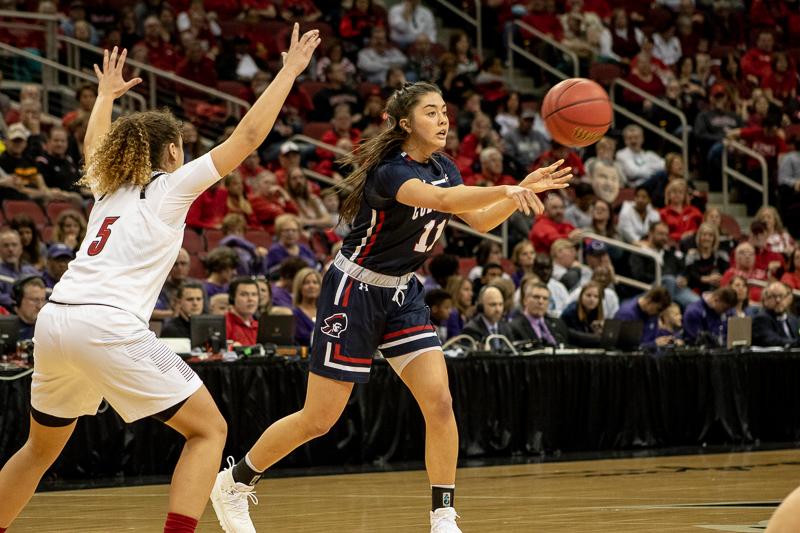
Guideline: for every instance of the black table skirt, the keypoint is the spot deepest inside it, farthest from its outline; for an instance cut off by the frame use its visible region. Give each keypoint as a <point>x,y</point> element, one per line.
<point>504,407</point>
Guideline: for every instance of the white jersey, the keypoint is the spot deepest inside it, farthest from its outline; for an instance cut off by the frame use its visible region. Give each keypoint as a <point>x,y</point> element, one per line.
<point>132,241</point>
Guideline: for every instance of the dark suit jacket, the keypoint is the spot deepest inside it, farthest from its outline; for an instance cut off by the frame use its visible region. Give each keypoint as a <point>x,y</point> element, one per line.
<point>768,330</point>
<point>176,327</point>
<point>476,328</point>
<point>523,331</point>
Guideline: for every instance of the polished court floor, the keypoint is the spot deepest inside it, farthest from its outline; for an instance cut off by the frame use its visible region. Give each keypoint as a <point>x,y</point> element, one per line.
<point>734,492</point>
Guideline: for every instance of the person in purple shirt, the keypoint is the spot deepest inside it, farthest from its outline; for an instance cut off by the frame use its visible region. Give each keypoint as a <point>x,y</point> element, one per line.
<point>11,266</point>
<point>305,292</point>
<point>222,264</point>
<point>281,289</point>
<point>287,231</point>
<point>646,308</point>
<point>58,257</point>
<point>705,321</point>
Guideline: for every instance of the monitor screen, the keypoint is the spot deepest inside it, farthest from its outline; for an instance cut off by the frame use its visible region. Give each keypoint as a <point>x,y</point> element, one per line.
<point>9,334</point>
<point>208,332</point>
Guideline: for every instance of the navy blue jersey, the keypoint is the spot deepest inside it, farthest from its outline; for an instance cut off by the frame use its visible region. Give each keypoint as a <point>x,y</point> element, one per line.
<point>392,238</point>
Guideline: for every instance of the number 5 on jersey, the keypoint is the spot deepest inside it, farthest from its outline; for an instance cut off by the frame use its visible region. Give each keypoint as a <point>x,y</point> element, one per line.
<point>422,245</point>
<point>102,236</point>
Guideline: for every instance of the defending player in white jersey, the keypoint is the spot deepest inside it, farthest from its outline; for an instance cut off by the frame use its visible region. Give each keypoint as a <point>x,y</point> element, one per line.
<point>92,340</point>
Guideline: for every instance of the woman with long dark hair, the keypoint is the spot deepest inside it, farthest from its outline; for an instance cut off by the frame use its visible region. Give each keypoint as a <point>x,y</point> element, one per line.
<point>92,340</point>
<point>400,198</point>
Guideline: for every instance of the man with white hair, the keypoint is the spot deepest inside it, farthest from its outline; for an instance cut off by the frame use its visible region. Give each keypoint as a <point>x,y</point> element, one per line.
<point>408,20</point>
<point>637,163</point>
<point>491,170</point>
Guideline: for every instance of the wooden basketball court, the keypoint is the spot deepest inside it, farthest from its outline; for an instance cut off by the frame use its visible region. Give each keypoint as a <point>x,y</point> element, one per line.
<point>733,492</point>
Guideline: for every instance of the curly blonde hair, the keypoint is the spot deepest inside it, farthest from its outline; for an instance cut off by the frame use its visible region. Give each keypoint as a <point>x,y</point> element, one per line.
<point>130,151</point>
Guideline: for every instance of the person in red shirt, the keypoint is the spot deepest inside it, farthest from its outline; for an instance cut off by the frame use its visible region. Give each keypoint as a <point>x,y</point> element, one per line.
<point>559,151</point>
<point>241,326</point>
<point>745,266</point>
<point>792,275</point>
<point>197,67</point>
<point>269,200</point>
<point>767,141</point>
<point>551,226</point>
<point>541,16</point>
<point>757,62</point>
<point>357,23</point>
<point>153,49</point>
<point>679,214</point>
<point>209,209</point>
<point>765,259</point>
<point>491,170</point>
<point>781,84</point>
<point>477,139</point>
<point>643,76</point>
<point>342,134</point>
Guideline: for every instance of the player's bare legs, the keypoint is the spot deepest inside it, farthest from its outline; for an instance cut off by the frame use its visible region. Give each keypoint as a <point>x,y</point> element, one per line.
<point>786,518</point>
<point>325,401</point>
<point>201,423</point>
<point>426,377</point>
<point>21,474</point>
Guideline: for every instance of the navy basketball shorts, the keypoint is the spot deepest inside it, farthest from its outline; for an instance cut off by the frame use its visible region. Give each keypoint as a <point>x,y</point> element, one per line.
<point>356,318</point>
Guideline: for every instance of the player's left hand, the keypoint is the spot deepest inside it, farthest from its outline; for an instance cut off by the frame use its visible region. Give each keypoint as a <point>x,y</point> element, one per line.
<point>548,178</point>
<point>110,81</point>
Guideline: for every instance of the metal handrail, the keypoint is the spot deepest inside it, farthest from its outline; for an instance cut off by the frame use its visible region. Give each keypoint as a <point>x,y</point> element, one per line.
<point>475,21</point>
<point>30,15</point>
<point>128,97</point>
<point>638,250</point>
<point>512,47</point>
<point>316,176</point>
<point>682,142</point>
<point>319,144</point>
<point>233,103</point>
<point>763,188</point>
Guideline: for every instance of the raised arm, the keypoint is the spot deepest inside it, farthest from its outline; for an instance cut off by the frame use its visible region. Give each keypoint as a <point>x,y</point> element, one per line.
<point>257,123</point>
<point>110,86</point>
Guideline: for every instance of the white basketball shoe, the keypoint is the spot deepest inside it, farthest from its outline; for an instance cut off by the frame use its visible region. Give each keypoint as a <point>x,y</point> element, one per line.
<point>231,502</point>
<point>443,520</point>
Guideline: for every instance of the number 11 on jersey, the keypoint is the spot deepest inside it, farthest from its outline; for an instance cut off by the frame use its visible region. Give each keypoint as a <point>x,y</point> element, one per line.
<point>422,245</point>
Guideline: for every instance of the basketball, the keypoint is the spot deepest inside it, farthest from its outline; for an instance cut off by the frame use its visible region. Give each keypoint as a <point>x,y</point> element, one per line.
<point>577,112</point>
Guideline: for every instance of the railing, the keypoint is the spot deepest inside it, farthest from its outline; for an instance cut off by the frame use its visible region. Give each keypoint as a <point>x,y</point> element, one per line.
<point>319,144</point>
<point>235,106</point>
<point>131,101</point>
<point>638,250</point>
<point>681,142</point>
<point>474,21</point>
<point>512,48</point>
<point>727,171</point>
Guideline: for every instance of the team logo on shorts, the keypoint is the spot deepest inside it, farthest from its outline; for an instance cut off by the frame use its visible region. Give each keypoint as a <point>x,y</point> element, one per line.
<point>335,325</point>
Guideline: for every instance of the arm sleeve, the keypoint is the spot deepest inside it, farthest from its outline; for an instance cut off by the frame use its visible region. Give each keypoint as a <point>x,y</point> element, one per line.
<point>170,196</point>
<point>387,179</point>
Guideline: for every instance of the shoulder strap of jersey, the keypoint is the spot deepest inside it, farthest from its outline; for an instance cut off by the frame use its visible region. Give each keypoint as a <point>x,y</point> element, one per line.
<point>154,177</point>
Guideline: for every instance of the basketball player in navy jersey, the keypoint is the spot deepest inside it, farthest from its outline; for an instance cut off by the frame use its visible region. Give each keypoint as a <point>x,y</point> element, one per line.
<point>92,339</point>
<point>401,197</point>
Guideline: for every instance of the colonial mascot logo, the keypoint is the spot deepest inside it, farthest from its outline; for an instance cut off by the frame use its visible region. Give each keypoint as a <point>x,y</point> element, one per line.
<point>335,325</point>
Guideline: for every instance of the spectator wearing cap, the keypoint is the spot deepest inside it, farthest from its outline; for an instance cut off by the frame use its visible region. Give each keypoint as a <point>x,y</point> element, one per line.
<point>636,216</point>
<point>638,164</point>
<point>31,298</point>
<point>408,20</point>
<point>337,92</point>
<point>706,320</point>
<point>375,60</point>
<point>23,180</point>
<point>646,308</point>
<point>58,257</point>
<point>551,226</point>
<point>289,157</point>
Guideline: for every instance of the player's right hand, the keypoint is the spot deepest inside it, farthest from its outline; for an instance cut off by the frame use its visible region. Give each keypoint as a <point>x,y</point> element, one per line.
<point>109,79</point>
<point>526,199</point>
<point>300,50</point>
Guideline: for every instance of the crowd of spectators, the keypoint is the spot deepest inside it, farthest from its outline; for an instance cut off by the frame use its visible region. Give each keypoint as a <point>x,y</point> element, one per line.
<point>730,67</point>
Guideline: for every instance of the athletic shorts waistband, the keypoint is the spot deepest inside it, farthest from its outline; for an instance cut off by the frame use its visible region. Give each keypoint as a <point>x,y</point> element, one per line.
<point>366,275</point>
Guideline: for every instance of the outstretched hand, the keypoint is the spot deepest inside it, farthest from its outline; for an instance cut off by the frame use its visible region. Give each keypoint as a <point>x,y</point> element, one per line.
<point>548,178</point>
<point>110,81</point>
<point>300,49</point>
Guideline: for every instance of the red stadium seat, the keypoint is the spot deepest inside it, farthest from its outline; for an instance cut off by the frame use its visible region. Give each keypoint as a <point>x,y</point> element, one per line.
<point>315,130</point>
<point>213,236</point>
<point>25,207</point>
<point>465,264</point>
<point>259,237</point>
<point>234,88</point>
<point>729,225</point>
<point>193,242</point>
<point>55,208</point>
<point>605,73</point>
<point>311,88</point>
<point>196,270</point>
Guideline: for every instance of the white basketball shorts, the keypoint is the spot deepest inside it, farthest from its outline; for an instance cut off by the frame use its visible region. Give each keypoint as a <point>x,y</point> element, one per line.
<point>84,353</point>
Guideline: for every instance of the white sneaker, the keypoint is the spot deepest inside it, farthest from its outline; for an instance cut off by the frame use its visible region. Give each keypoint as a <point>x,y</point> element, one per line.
<point>443,520</point>
<point>230,501</point>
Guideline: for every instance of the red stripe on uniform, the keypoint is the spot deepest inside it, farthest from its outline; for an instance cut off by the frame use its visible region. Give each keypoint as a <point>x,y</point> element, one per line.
<point>406,331</point>
<point>381,218</point>
<point>344,358</point>
<point>347,294</point>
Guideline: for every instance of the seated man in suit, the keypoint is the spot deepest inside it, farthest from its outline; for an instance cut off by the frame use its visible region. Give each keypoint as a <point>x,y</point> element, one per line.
<point>534,324</point>
<point>705,321</point>
<point>189,302</point>
<point>773,325</point>
<point>489,319</point>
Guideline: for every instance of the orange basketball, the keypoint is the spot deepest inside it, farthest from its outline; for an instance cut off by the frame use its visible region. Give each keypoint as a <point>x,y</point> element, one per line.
<point>577,112</point>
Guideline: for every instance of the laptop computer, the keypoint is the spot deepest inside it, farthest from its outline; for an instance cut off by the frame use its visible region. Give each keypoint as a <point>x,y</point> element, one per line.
<point>740,332</point>
<point>9,334</point>
<point>621,334</point>
<point>276,329</point>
